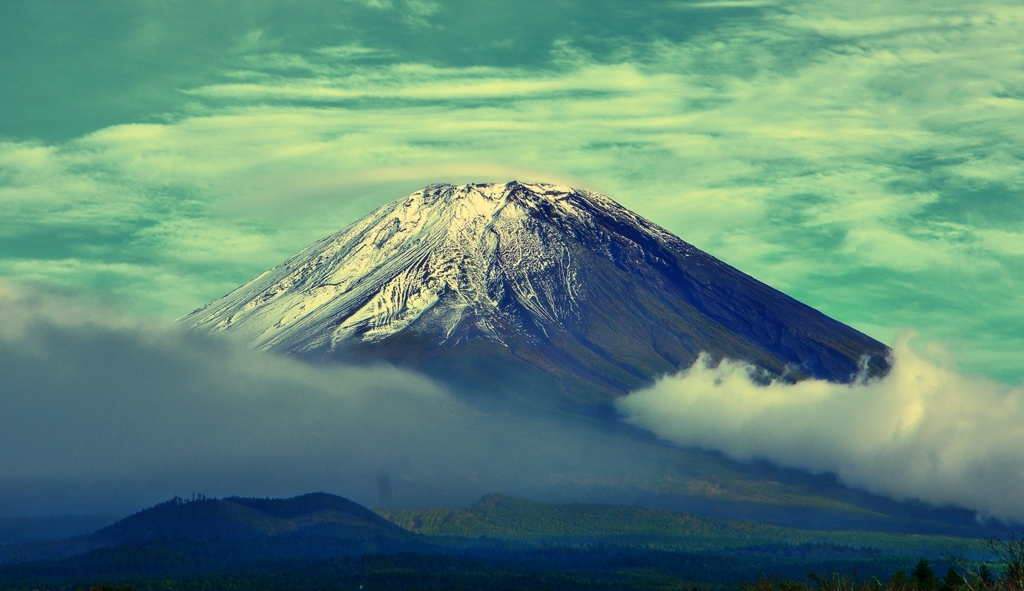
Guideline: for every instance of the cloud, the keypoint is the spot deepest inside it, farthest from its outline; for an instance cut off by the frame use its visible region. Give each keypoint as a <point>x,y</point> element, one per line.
<point>105,413</point>
<point>718,4</point>
<point>924,432</point>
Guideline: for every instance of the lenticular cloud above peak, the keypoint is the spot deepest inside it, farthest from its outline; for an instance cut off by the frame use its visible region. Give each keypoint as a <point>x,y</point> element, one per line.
<point>922,432</point>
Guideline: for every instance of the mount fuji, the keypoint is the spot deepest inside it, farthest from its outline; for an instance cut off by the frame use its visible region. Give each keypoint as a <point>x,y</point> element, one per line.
<point>554,296</point>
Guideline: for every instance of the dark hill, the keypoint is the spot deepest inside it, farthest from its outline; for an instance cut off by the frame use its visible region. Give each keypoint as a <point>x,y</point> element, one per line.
<point>236,518</point>
<point>233,530</point>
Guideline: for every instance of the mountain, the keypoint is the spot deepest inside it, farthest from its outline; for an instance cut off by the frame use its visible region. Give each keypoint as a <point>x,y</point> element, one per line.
<point>554,295</point>
<point>232,529</point>
<point>237,518</point>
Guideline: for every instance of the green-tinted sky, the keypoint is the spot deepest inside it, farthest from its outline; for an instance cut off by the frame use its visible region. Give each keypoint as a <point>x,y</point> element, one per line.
<point>865,157</point>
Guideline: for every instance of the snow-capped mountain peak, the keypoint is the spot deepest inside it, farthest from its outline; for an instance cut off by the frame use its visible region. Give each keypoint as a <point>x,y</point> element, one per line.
<point>474,245</point>
<point>562,283</point>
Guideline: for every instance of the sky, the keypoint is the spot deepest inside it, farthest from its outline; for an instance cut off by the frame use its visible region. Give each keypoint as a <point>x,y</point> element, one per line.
<point>866,158</point>
<point>863,157</point>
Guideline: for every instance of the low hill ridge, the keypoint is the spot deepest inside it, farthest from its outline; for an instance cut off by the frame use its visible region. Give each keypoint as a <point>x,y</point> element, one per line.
<point>319,514</point>
<point>513,518</point>
<point>185,535</point>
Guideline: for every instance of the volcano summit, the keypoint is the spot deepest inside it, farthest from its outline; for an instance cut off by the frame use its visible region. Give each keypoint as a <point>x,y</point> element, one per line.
<point>558,296</point>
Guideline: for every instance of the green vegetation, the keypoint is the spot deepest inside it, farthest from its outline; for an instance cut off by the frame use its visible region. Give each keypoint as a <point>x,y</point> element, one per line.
<point>320,542</point>
<point>507,517</point>
<point>593,568</point>
<point>598,566</point>
<point>1005,574</point>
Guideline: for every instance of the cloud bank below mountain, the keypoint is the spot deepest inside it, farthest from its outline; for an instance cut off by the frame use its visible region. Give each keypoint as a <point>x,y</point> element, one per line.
<point>923,432</point>
<point>102,413</point>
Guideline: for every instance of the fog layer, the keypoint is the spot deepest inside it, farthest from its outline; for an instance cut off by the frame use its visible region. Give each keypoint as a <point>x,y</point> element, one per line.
<point>923,432</point>
<point>103,413</point>
<point>99,413</point>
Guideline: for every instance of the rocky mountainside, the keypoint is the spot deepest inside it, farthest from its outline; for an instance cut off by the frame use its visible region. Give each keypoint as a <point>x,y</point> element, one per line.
<point>553,295</point>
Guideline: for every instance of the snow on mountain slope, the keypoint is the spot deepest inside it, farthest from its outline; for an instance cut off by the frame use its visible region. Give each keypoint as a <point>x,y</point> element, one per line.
<point>579,292</point>
<point>477,245</point>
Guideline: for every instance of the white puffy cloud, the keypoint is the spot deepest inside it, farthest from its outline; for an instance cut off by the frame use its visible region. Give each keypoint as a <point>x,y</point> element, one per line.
<point>923,432</point>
